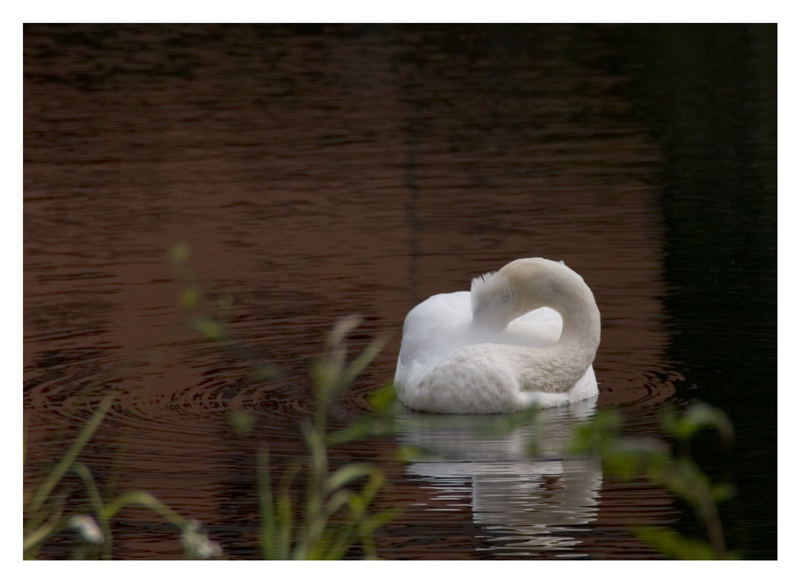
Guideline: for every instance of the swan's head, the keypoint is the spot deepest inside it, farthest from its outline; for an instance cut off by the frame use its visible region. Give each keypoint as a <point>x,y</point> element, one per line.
<point>522,286</point>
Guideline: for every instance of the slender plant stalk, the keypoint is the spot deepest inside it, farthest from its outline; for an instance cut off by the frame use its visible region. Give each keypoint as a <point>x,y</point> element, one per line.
<point>140,498</point>
<point>97,506</point>
<point>266,506</point>
<point>53,525</point>
<point>72,453</point>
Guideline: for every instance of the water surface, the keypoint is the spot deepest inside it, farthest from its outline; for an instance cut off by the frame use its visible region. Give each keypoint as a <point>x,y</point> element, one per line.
<point>320,171</point>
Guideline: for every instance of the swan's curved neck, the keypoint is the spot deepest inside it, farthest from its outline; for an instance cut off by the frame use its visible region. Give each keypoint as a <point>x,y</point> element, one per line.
<point>580,320</point>
<point>566,293</point>
<point>556,286</point>
<point>525,285</point>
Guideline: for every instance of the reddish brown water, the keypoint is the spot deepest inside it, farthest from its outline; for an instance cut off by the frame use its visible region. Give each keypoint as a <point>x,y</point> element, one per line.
<point>316,175</point>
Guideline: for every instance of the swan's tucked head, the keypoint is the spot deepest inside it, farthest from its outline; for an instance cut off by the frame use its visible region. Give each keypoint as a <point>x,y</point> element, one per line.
<point>492,300</point>
<point>522,286</point>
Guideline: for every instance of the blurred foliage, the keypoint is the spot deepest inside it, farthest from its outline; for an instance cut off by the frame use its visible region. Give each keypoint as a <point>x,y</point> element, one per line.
<point>668,465</point>
<point>242,422</point>
<point>334,515</point>
<point>44,517</point>
<point>208,316</point>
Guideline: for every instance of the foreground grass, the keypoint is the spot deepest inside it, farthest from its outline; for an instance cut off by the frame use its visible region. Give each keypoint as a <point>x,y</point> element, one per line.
<point>44,515</point>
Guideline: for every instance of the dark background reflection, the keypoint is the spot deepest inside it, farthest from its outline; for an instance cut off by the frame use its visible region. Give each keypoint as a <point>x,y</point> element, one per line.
<point>318,171</point>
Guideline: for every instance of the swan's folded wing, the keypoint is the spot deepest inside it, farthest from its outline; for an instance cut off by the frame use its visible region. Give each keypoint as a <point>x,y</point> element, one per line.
<point>543,326</point>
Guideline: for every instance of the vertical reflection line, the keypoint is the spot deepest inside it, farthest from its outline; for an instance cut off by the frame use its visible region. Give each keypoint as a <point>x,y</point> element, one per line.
<point>411,130</point>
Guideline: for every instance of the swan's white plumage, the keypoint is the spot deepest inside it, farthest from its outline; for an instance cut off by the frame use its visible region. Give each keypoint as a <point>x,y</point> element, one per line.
<point>525,335</point>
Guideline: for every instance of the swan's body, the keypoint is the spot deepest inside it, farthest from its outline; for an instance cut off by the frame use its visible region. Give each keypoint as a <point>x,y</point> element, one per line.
<point>525,335</point>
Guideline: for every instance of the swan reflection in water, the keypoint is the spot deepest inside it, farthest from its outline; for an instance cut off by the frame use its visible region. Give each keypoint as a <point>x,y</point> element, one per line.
<point>527,503</point>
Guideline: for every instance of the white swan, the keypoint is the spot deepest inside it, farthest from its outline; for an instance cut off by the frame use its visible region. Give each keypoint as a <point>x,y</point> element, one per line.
<point>525,335</point>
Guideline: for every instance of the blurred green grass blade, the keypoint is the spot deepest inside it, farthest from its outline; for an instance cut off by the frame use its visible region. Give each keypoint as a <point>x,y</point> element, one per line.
<point>284,519</point>
<point>316,446</point>
<point>366,426</point>
<point>91,488</point>
<point>347,474</point>
<point>72,453</point>
<point>209,328</point>
<point>722,492</point>
<point>266,506</point>
<point>357,366</point>
<point>141,498</point>
<point>190,297</point>
<point>697,416</point>
<point>674,545</point>
<point>383,398</point>
<point>53,524</point>
<point>338,500</point>
<point>179,253</point>
<point>241,421</point>
<point>97,505</point>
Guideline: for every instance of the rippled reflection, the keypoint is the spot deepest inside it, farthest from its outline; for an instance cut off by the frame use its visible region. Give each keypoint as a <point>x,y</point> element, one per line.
<point>318,173</point>
<point>525,503</point>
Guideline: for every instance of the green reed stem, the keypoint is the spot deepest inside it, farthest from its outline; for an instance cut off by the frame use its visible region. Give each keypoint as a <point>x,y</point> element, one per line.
<point>266,506</point>
<point>72,453</point>
<point>97,505</point>
<point>44,531</point>
<point>140,498</point>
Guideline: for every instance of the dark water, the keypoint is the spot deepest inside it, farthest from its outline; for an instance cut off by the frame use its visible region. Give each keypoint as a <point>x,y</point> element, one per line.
<point>319,171</point>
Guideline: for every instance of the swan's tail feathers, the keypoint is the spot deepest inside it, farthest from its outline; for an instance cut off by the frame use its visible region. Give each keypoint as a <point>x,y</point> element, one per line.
<point>481,280</point>
<point>479,287</point>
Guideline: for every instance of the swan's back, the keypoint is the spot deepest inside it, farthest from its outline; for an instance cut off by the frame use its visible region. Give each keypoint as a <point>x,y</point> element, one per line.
<point>439,334</point>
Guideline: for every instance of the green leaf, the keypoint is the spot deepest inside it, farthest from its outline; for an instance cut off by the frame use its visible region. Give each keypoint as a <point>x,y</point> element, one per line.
<point>623,457</point>
<point>209,328</point>
<point>411,453</point>
<point>341,329</point>
<point>374,483</point>
<point>674,545</point>
<point>363,360</point>
<point>190,297</point>
<point>347,474</point>
<point>595,434</point>
<point>682,477</point>
<point>141,498</point>
<point>337,500</point>
<point>49,528</point>
<point>241,421</point>
<point>179,253</point>
<point>357,504</point>
<point>696,417</point>
<point>284,516</point>
<point>378,519</point>
<point>316,447</point>
<point>363,427</point>
<point>266,507</point>
<point>383,398</point>
<point>91,489</point>
<point>722,492</point>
